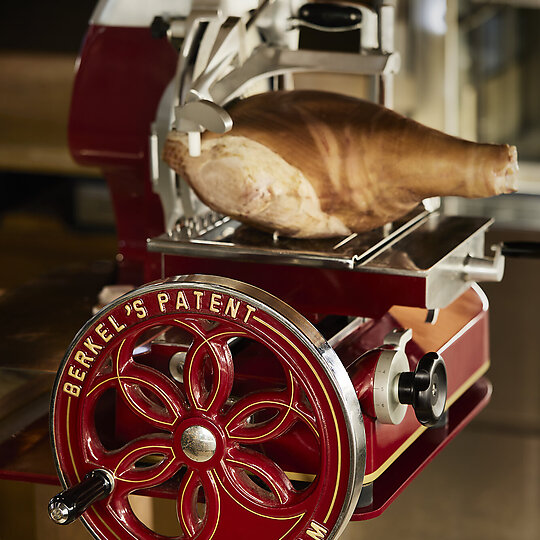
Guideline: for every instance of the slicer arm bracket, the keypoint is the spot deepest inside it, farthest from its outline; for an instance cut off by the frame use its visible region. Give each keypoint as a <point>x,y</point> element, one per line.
<point>201,115</point>
<point>267,61</point>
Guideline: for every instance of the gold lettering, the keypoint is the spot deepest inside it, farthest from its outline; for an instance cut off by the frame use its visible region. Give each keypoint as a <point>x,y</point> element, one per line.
<point>250,310</point>
<point>83,359</point>
<point>162,299</point>
<point>318,533</point>
<point>118,328</point>
<point>72,389</point>
<point>199,295</point>
<point>94,348</point>
<point>215,302</point>
<point>232,308</point>
<point>181,301</point>
<point>76,373</point>
<point>139,308</point>
<point>103,332</point>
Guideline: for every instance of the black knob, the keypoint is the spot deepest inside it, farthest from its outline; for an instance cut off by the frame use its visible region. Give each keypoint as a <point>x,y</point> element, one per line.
<point>330,15</point>
<point>425,389</point>
<point>159,28</point>
<point>68,505</point>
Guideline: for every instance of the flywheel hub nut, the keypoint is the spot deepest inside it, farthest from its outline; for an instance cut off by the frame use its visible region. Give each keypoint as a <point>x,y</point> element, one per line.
<point>198,443</point>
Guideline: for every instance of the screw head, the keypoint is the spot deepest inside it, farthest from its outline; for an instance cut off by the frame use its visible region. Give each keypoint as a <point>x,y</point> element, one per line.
<point>176,365</point>
<point>59,513</point>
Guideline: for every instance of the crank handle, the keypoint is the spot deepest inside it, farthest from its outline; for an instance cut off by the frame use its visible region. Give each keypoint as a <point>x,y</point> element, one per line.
<point>71,503</point>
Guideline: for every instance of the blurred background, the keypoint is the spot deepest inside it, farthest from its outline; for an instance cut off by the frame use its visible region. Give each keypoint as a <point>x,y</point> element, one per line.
<point>471,68</point>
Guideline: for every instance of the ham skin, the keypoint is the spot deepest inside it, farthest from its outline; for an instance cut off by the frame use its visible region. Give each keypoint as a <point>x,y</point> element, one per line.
<point>312,164</point>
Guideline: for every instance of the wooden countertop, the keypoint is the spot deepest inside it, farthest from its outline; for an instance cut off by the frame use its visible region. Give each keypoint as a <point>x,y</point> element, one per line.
<point>35,93</point>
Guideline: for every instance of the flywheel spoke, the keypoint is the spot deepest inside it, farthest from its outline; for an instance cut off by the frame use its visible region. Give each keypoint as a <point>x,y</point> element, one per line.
<point>264,416</point>
<point>209,371</point>
<point>198,504</point>
<point>145,462</point>
<point>259,478</point>
<point>147,392</point>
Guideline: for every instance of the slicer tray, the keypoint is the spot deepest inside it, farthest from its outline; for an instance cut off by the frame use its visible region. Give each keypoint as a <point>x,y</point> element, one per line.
<point>411,245</point>
<point>226,238</point>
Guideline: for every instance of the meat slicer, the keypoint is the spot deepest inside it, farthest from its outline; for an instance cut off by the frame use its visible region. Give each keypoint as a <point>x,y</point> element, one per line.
<point>269,386</point>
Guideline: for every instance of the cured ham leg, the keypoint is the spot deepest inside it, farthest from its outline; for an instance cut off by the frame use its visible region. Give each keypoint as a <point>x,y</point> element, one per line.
<point>312,164</point>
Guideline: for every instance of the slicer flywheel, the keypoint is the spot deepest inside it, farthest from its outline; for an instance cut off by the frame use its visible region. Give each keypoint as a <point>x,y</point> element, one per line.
<point>214,431</point>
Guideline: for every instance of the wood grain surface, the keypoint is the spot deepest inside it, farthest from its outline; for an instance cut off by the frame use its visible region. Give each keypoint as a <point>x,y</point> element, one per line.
<point>35,93</point>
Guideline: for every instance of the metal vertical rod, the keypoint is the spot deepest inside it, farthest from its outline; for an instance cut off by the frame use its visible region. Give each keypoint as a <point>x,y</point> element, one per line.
<point>386,45</point>
<point>451,69</point>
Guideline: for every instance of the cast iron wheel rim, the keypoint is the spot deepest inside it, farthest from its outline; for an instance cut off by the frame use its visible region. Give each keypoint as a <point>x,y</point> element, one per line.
<point>314,375</point>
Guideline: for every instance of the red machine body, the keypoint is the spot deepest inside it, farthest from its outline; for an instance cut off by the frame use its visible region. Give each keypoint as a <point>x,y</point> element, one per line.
<point>121,77</point>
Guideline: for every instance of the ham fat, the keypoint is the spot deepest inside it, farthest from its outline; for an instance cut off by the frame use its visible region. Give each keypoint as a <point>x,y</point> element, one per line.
<point>312,164</point>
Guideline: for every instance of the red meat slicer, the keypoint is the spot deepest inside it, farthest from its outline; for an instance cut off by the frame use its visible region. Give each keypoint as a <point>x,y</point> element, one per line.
<point>205,386</point>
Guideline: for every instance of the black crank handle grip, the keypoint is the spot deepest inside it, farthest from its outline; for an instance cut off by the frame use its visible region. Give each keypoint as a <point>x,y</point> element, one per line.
<point>521,249</point>
<point>71,503</point>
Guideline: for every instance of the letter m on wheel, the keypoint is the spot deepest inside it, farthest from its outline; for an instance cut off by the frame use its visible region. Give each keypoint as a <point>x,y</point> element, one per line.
<point>316,531</point>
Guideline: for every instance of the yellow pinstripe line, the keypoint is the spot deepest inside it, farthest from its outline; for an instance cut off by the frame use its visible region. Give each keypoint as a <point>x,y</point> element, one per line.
<point>182,501</point>
<point>261,472</point>
<point>113,377</point>
<point>103,521</point>
<point>145,448</point>
<point>205,341</point>
<point>69,440</point>
<point>200,334</point>
<point>289,408</point>
<point>253,511</point>
<point>212,471</point>
<point>219,505</point>
<point>268,402</point>
<point>142,382</point>
<point>294,525</point>
<point>136,379</point>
